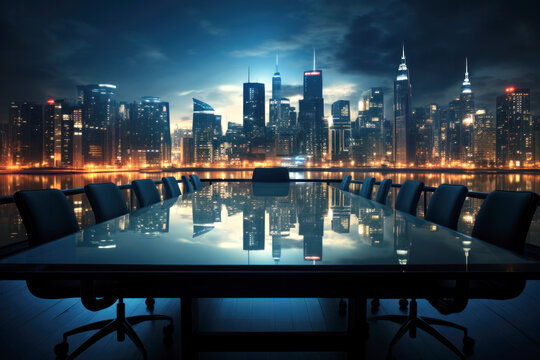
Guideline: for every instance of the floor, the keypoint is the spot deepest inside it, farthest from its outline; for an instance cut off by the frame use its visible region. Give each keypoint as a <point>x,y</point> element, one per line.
<point>30,327</point>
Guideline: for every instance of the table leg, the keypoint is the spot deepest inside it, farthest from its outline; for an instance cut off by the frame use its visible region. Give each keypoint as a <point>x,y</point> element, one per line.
<point>357,327</point>
<point>189,324</point>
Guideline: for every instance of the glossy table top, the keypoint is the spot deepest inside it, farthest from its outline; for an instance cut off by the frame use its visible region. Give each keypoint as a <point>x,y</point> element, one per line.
<point>244,226</point>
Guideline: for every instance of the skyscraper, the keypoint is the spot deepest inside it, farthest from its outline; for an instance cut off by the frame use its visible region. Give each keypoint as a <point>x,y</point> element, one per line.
<point>339,131</point>
<point>484,138</point>
<point>514,128</point>
<point>25,133</point>
<point>203,131</point>
<point>98,117</point>
<point>254,113</point>
<point>404,127</point>
<point>52,133</point>
<point>275,101</point>
<point>369,131</point>
<point>311,124</point>
<point>466,117</point>
<point>152,120</point>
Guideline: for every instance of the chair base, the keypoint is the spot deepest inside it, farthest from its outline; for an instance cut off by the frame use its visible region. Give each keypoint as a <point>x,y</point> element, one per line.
<point>409,323</point>
<point>121,325</point>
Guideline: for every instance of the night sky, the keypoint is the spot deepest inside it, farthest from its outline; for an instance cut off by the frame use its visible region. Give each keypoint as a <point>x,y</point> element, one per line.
<point>179,50</point>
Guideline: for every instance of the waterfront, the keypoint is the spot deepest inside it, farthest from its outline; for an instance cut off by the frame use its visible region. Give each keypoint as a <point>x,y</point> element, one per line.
<point>11,229</point>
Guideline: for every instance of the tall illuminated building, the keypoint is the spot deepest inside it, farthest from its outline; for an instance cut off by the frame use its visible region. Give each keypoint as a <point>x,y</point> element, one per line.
<point>98,117</point>
<point>52,132</point>
<point>515,128</point>
<point>404,127</point>
<point>275,101</point>
<point>254,112</point>
<point>25,133</point>
<point>339,131</point>
<point>484,138</point>
<point>369,127</point>
<point>203,131</point>
<point>311,123</point>
<point>154,138</point>
<point>78,161</point>
<point>466,117</point>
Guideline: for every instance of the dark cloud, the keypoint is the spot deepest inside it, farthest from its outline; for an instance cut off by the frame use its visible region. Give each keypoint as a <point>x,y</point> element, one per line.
<point>498,37</point>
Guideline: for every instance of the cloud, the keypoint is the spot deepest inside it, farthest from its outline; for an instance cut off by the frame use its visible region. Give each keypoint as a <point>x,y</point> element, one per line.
<point>210,27</point>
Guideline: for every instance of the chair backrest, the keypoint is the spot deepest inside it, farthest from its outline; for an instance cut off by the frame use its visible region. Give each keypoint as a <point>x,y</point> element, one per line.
<point>382,192</point>
<point>188,186</point>
<point>146,192</point>
<point>408,196</point>
<point>505,217</point>
<point>277,174</point>
<point>197,185</point>
<point>445,205</point>
<point>46,214</point>
<point>106,200</point>
<point>367,187</point>
<point>345,183</point>
<point>170,187</point>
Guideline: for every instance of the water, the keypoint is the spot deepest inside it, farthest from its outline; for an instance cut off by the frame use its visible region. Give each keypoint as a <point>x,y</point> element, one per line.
<point>12,230</point>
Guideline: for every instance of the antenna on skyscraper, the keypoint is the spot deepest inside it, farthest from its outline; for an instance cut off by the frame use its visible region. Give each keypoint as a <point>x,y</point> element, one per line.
<point>403,53</point>
<point>314,67</point>
<point>277,60</point>
<point>248,72</point>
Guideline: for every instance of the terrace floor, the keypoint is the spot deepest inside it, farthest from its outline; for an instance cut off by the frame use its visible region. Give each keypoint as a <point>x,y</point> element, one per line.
<point>30,327</point>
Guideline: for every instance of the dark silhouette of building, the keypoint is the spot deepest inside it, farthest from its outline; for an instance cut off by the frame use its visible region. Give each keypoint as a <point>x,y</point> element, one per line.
<point>204,121</point>
<point>26,133</point>
<point>311,124</point>
<point>152,120</point>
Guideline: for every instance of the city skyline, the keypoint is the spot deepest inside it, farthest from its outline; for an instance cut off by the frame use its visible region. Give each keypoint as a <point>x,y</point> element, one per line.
<point>357,45</point>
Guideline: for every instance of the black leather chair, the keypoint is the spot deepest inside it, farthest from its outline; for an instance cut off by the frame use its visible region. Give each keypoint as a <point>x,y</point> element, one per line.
<point>345,183</point>
<point>277,174</point>
<point>197,185</point>
<point>146,192</point>
<point>106,200</point>
<point>367,187</point>
<point>503,220</point>
<point>47,215</point>
<point>170,187</point>
<point>187,185</point>
<point>382,192</point>
<point>445,205</point>
<point>408,196</point>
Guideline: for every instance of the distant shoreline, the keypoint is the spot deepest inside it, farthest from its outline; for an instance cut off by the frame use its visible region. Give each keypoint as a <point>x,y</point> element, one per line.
<point>384,170</point>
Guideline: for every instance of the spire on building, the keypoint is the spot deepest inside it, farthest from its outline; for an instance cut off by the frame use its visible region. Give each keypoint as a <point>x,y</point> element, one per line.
<point>277,60</point>
<point>314,68</point>
<point>402,69</point>
<point>466,86</point>
<point>248,72</point>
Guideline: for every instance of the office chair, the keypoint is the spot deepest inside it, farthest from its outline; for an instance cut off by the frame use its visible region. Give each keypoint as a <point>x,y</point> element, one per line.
<point>197,185</point>
<point>187,185</point>
<point>170,187</point>
<point>277,174</point>
<point>146,192</point>
<point>408,196</point>
<point>367,187</point>
<point>47,215</point>
<point>445,205</point>
<point>106,200</point>
<point>345,183</point>
<point>382,192</point>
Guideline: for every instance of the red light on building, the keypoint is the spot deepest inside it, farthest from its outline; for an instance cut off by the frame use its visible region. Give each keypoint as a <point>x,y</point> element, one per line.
<point>509,89</point>
<point>50,102</point>
<point>309,73</point>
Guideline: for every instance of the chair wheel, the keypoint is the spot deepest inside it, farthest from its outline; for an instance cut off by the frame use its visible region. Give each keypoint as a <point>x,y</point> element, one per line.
<point>342,307</point>
<point>468,345</point>
<point>168,330</point>
<point>150,302</point>
<point>403,303</point>
<point>61,350</point>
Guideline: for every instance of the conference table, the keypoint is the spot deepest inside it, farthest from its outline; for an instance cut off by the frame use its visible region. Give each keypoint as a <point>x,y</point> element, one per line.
<point>241,239</point>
